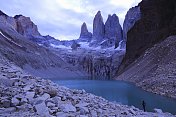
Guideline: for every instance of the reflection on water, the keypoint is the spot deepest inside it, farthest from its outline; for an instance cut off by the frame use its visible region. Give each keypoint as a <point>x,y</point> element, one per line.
<point>122,92</point>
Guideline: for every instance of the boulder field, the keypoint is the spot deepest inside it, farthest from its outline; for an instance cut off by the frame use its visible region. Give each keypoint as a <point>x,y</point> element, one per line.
<point>24,95</point>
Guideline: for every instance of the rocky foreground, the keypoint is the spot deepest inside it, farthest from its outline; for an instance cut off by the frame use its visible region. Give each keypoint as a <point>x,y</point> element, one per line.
<point>25,96</point>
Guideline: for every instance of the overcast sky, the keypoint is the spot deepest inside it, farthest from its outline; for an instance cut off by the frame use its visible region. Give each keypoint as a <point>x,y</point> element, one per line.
<point>63,18</point>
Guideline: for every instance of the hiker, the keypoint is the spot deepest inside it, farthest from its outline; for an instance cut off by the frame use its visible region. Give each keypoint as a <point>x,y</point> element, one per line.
<point>143,105</point>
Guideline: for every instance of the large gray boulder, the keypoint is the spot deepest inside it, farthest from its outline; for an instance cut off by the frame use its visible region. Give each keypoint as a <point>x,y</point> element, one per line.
<point>132,16</point>
<point>98,27</point>
<point>85,34</point>
<point>113,30</point>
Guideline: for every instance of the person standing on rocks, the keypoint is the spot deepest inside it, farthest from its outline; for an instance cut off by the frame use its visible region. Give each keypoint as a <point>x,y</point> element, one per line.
<point>143,105</point>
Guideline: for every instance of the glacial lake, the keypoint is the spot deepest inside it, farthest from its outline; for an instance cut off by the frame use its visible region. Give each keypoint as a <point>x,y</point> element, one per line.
<point>122,92</point>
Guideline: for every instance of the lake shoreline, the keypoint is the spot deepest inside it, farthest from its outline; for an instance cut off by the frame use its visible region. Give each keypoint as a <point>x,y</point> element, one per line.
<point>26,95</point>
<point>144,86</point>
<point>141,85</point>
<point>121,92</point>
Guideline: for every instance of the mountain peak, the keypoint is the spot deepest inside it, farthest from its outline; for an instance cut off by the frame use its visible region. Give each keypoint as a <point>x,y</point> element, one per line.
<point>99,12</point>
<point>84,32</point>
<point>98,27</point>
<point>113,30</point>
<point>26,27</point>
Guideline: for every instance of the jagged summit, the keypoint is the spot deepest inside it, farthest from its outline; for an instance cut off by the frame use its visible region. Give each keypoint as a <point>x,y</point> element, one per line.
<point>84,28</point>
<point>85,34</point>
<point>98,27</point>
<point>108,34</point>
<point>113,30</point>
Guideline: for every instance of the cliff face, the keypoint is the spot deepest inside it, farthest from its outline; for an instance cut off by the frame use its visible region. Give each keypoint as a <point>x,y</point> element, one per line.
<point>28,55</point>
<point>132,16</point>
<point>101,67</point>
<point>158,21</point>
<point>23,25</point>
<point>26,27</point>
<point>100,64</point>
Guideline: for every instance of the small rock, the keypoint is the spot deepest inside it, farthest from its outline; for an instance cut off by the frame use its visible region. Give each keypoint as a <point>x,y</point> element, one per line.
<point>81,104</point>
<point>124,113</point>
<point>93,113</point>
<point>24,100</point>
<point>7,110</point>
<point>42,110</point>
<point>61,114</point>
<point>132,111</point>
<point>15,101</point>
<point>39,91</point>
<point>27,88</point>
<point>63,98</point>
<point>54,108</point>
<point>5,103</point>
<point>84,110</point>
<point>83,116</point>
<point>44,97</point>
<point>25,107</point>
<point>158,110</point>
<point>55,100</point>
<point>52,92</point>
<point>67,108</point>
<point>99,110</point>
<point>52,111</point>
<point>30,96</point>
<point>50,104</point>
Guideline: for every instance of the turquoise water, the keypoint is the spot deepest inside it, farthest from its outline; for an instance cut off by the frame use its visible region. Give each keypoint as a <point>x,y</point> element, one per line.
<point>122,92</point>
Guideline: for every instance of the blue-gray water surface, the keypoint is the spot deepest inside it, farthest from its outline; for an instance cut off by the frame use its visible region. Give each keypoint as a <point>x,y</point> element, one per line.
<point>122,92</point>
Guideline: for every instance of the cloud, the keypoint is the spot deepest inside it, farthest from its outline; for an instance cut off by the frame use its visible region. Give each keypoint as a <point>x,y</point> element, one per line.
<point>63,18</point>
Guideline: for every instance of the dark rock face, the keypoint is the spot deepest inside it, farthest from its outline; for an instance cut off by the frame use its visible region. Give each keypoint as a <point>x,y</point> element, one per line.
<point>158,21</point>
<point>155,70</point>
<point>132,16</point>
<point>26,27</point>
<point>98,27</point>
<point>113,30</point>
<point>85,34</point>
